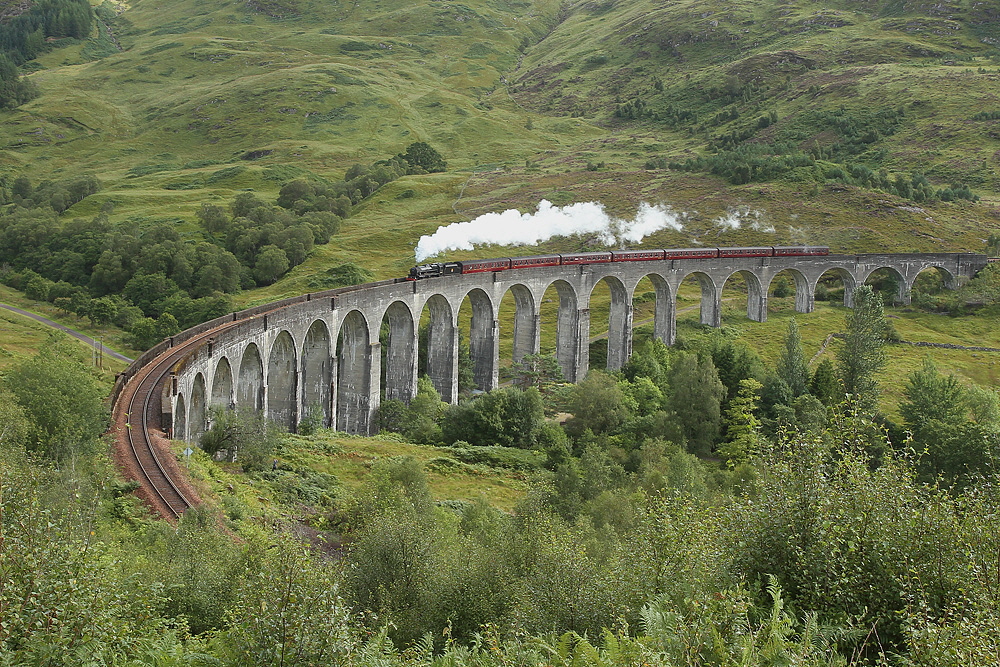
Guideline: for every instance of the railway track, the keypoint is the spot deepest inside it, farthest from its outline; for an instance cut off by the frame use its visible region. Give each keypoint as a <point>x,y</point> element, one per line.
<point>141,450</point>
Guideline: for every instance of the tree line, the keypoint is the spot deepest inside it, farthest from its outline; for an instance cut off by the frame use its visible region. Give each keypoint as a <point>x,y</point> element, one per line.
<point>29,34</point>
<point>152,280</point>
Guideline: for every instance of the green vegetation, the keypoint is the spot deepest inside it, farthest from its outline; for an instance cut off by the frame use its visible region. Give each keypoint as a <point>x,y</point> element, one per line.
<point>714,504</point>
<point>821,543</point>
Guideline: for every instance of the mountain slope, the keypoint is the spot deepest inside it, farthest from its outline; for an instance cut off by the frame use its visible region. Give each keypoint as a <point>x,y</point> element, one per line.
<point>841,123</point>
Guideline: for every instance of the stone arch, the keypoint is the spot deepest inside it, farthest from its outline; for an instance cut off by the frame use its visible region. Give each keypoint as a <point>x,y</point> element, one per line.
<point>664,308</point>
<point>222,385</point>
<point>483,339</point>
<point>756,296</point>
<point>902,284</point>
<point>619,322</point>
<point>180,418</point>
<point>282,379</point>
<point>571,352</point>
<point>354,370</point>
<point>525,322</point>
<point>442,348</point>
<point>804,300</point>
<point>317,371</point>
<point>845,276</point>
<point>711,312</point>
<point>198,417</point>
<point>250,387</point>
<point>400,353</point>
<point>948,279</point>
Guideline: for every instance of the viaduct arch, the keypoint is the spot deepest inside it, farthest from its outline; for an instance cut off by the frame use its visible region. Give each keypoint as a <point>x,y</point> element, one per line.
<point>322,353</point>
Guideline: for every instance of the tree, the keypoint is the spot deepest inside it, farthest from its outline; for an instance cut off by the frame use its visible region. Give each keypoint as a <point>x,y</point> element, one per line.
<point>505,416</point>
<point>213,218</point>
<point>423,159</point>
<point>62,400</point>
<point>824,384</point>
<point>938,413</point>
<point>537,370</point>
<point>696,399</point>
<point>862,355</point>
<point>742,425</point>
<point>598,404</point>
<point>792,366</point>
<point>271,264</point>
<point>249,437</point>
<point>15,90</point>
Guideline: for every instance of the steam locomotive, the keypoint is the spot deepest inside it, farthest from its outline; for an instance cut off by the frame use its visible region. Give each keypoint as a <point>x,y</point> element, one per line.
<point>506,263</point>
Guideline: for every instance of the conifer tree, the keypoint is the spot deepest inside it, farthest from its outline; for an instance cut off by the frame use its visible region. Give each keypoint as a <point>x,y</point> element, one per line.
<point>863,355</point>
<point>696,398</point>
<point>742,425</point>
<point>824,384</point>
<point>792,366</point>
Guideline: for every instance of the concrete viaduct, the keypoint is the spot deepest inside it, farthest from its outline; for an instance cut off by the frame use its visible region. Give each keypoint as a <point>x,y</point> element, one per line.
<point>322,352</point>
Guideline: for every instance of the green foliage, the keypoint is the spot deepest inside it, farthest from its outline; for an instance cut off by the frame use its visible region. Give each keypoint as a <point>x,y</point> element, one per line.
<point>599,405</point>
<point>825,385</point>
<point>251,438</point>
<point>420,420</point>
<point>742,426</point>
<point>14,89</point>
<point>506,416</point>
<point>422,159</point>
<point>938,412</point>
<point>342,275</point>
<point>287,610</point>
<point>792,367</point>
<point>696,401</point>
<point>24,36</point>
<point>862,355</point>
<point>62,400</point>
<point>538,370</point>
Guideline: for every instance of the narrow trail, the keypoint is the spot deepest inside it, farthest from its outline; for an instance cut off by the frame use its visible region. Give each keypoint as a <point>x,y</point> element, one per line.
<point>822,348</point>
<point>72,332</point>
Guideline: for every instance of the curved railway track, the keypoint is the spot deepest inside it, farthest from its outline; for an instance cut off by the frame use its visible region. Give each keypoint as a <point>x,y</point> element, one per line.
<point>142,450</point>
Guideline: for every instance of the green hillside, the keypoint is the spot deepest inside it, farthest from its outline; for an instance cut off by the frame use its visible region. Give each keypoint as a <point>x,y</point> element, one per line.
<point>842,124</point>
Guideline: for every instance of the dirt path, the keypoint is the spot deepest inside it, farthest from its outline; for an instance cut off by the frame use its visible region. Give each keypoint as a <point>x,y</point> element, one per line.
<point>72,332</point>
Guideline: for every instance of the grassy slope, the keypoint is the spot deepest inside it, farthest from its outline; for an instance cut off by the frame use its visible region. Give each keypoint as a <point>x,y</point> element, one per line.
<point>21,336</point>
<point>350,459</point>
<point>195,87</point>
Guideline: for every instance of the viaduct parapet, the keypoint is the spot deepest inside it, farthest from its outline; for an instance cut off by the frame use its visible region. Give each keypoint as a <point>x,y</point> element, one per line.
<point>321,353</point>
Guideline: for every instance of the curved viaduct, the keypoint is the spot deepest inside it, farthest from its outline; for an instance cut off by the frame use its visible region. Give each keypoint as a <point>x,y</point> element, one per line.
<point>321,352</point>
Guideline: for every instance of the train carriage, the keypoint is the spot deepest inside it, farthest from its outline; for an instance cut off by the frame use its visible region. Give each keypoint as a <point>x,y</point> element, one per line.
<point>535,261</point>
<point>760,251</point>
<point>691,253</point>
<point>800,251</point>
<point>637,255</point>
<point>586,258</point>
<point>484,265</point>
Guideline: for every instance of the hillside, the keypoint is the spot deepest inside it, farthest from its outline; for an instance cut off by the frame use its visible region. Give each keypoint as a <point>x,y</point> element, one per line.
<point>839,125</point>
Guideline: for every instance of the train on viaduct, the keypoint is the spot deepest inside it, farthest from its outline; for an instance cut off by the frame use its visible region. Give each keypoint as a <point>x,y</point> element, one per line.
<point>322,351</point>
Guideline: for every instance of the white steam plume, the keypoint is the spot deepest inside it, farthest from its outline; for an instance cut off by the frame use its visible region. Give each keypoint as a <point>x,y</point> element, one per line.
<point>740,216</point>
<point>515,228</point>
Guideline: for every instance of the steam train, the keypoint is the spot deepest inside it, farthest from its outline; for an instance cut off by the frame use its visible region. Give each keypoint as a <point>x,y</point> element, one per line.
<point>506,263</point>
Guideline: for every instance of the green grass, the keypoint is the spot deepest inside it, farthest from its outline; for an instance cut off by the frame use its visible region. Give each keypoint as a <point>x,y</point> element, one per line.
<point>767,338</point>
<point>20,335</point>
<point>349,459</point>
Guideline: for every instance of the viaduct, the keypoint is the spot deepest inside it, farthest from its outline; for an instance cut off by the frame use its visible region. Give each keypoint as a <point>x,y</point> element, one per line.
<point>322,352</point>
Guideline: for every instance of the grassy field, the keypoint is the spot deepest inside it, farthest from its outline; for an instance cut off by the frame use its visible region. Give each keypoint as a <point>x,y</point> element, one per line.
<point>20,335</point>
<point>349,460</point>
